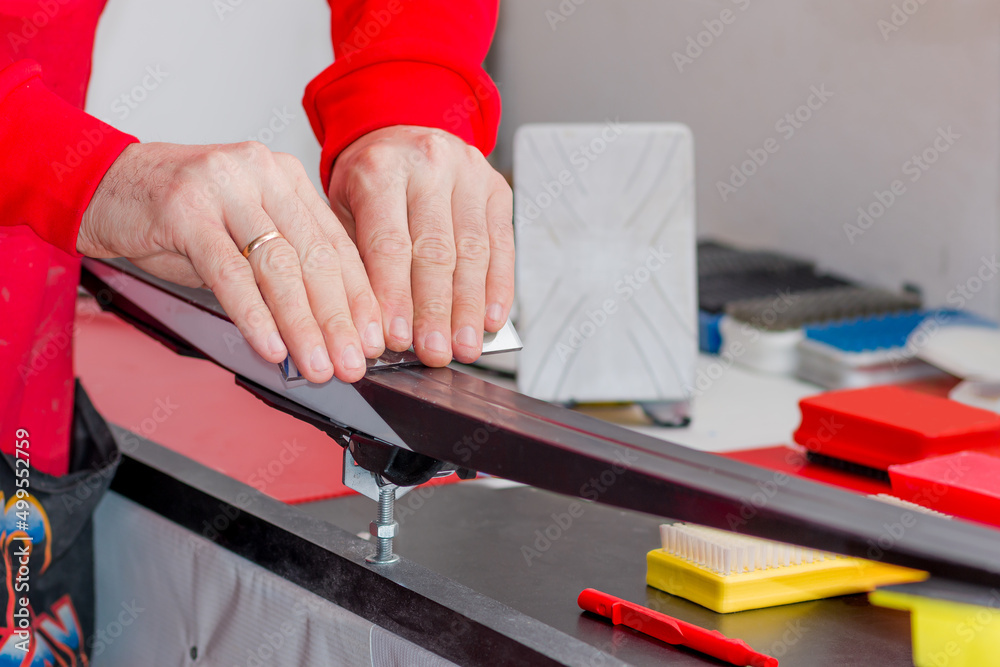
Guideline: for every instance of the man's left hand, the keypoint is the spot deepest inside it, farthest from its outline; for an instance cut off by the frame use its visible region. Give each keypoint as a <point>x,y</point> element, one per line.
<point>432,221</point>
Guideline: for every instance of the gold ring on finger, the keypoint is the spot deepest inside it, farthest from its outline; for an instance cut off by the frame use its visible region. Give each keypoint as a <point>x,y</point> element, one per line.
<point>261,240</point>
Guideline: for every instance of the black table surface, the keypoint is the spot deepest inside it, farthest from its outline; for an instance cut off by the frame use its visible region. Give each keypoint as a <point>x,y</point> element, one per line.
<point>524,548</point>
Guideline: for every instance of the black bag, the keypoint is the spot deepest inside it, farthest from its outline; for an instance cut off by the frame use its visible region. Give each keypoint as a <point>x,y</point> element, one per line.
<point>48,541</point>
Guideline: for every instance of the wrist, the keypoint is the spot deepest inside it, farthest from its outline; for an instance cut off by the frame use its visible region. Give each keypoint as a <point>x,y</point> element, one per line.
<point>85,245</point>
<point>89,240</point>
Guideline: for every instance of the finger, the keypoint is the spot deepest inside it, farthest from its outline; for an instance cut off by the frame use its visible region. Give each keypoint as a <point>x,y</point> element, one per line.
<point>500,276</point>
<point>222,268</point>
<point>472,246</point>
<point>364,306</point>
<point>278,273</point>
<point>340,208</point>
<point>321,276</point>
<point>347,222</point>
<point>433,270</point>
<point>384,245</point>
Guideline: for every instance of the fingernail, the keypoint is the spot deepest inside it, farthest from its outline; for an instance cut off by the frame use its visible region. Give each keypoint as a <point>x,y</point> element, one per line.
<point>373,335</point>
<point>435,342</point>
<point>319,359</point>
<point>467,337</point>
<point>352,358</point>
<point>399,329</point>
<point>494,312</point>
<point>275,345</point>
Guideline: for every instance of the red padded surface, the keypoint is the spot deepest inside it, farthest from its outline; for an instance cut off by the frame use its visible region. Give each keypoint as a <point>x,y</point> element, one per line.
<point>965,484</point>
<point>792,460</point>
<point>195,408</point>
<point>882,426</point>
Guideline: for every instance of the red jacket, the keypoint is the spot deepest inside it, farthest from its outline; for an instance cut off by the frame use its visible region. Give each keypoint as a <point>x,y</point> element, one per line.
<point>413,62</point>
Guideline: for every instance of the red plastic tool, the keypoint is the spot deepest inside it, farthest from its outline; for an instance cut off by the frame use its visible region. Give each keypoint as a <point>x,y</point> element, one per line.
<point>882,426</point>
<point>672,630</point>
<point>966,484</point>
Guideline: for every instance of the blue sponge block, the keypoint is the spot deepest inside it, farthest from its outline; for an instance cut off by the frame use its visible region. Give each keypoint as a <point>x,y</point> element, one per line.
<point>709,338</point>
<point>884,332</point>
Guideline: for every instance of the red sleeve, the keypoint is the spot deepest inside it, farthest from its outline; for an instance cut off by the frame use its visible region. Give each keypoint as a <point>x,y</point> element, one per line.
<point>54,155</point>
<point>405,62</point>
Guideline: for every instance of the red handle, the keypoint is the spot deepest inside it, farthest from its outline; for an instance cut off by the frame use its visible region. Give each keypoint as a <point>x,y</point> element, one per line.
<point>672,630</point>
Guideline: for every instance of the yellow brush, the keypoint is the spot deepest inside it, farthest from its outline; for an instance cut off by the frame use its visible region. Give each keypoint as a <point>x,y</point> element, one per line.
<point>729,572</point>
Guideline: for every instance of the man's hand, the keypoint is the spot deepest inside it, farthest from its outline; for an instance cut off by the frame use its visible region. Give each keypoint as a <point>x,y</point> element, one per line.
<point>184,213</point>
<point>432,221</point>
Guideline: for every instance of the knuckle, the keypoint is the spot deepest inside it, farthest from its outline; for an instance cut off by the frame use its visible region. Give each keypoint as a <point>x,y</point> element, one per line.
<point>285,159</point>
<point>215,160</point>
<point>253,151</point>
<point>336,324</point>
<point>220,166</point>
<point>201,180</point>
<point>290,165</point>
<point>434,248</point>
<point>321,257</point>
<point>179,196</point>
<point>473,248</point>
<point>471,303</point>
<point>255,314</point>
<point>361,300</point>
<point>279,261</point>
<point>433,144</point>
<point>365,180</point>
<point>389,243</point>
<point>373,163</point>
<point>436,308</point>
<point>474,155</point>
<point>397,293</point>
<point>230,271</point>
<point>301,322</point>
<point>338,237</point>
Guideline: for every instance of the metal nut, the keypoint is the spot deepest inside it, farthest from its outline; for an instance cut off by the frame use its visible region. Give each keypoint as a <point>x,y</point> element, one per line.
<point>383,530</point>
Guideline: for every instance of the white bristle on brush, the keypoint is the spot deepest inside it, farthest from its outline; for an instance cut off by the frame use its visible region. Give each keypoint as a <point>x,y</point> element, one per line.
<point>906,504</point>
<point>728,553</point>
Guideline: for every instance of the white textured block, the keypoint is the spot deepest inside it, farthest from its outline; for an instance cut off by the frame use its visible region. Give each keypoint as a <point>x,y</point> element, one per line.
<point>605,225</point>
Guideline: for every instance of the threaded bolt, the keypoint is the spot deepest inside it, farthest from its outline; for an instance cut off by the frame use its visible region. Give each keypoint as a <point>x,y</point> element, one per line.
<point>385,528</point>
<point>386,503</point>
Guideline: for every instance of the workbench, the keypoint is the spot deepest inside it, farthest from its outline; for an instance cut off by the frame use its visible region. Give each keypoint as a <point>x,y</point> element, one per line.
<point>228,575</point>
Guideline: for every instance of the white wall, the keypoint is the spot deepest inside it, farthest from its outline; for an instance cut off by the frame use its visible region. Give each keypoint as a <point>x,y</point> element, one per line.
<point>614,58</point>
<point>228,65</point>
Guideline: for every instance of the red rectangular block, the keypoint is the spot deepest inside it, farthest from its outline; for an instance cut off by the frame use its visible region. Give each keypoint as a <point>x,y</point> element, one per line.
<point>881,426</point>
<point>965,484</point>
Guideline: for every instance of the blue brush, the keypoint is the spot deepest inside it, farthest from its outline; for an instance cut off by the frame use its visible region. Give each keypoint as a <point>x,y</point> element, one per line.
<point>880,349</point>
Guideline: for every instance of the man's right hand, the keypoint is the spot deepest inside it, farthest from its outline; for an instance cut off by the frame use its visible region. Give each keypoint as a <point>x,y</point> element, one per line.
<point>184,213</point>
